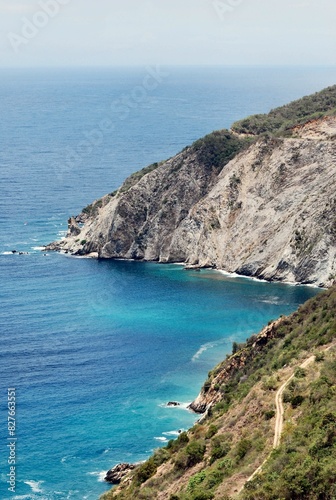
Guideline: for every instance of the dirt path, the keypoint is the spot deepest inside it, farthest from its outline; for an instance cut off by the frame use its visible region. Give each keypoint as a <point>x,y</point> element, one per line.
<point>280,414</point>
<point>279,405</point>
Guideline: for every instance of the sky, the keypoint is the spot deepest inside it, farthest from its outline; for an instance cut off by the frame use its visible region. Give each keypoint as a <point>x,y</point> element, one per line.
<point>43,33</point>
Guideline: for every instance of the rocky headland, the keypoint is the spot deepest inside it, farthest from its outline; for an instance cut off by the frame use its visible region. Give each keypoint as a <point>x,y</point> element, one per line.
<point>255,200</point>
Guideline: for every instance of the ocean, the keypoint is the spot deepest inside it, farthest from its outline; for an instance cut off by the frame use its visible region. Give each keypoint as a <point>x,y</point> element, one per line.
<point>95,349</point>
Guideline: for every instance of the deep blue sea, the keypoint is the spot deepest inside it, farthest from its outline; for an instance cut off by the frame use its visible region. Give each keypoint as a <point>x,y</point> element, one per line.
<point>95,349</point>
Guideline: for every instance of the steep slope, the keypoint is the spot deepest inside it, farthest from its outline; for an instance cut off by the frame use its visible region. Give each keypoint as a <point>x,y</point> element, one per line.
<point>218,456</point>
<point>138,221</point>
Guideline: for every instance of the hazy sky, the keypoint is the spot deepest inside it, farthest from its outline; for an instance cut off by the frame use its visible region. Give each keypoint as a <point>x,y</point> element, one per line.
<point>129,32</point>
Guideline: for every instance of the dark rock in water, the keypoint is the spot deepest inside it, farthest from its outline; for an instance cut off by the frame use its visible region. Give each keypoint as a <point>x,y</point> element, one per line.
<point>117,473</point>
<point>173,403</point>
<point>198,407</point>
<point>14,251</point>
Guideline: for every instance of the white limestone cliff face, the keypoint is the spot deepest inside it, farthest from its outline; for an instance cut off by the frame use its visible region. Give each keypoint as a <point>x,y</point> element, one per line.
<point>270,213</point>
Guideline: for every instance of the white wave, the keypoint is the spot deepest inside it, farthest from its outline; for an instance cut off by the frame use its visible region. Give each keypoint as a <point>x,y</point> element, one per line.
<point>235,275</point>
<point>203,348</point>
<point>100,475</point>
<point>24,497</point>
<point>271,300</point>
<point>162,439</point>
<point>172,433</point>
<point>35,486</point>
<point>230,275</point>
<point>38,248</point>
<point>184,406</point>
<point>72,494</point>
<point>7,253</point>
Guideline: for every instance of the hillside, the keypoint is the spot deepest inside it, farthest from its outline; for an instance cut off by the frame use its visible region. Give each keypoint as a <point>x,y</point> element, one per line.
<point>218,456</point>
<point>258,200</point>
<point>262,206</point>
<point>281,121</point>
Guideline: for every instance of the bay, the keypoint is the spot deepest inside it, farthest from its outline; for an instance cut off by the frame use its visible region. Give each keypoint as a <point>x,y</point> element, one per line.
<point>96,349</point>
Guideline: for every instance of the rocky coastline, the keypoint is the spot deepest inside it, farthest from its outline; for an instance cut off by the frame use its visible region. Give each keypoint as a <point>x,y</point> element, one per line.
<point>269,213</point>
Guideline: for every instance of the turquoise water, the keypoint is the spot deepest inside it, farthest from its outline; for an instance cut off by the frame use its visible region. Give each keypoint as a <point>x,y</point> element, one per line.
<point>96,349</point>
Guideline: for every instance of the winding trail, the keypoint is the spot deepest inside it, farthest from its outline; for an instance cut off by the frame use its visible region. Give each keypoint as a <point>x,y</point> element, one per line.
<point>279,405</point>
<point>280,414</point>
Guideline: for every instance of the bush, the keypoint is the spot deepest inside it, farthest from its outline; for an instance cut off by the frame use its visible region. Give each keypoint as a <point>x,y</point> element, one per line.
<point>300,373</point>
<point>217,149</point>
<point>297,401</point>
<point>281,119</point>
<point>243,448</point>
<point>145,471</point>
<point>225,465</point>
<point>196,480</point>
<point>211,431</point>
<point>320,356</point>
<point>176,444</point>
<point>270,384</point>
<point>219,448</point>
<point>191,455</point>
<point>269,414</point>
<point>202,495</point>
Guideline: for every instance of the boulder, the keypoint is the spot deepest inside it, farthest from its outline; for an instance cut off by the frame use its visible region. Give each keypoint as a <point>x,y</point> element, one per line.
<point>117,473</point>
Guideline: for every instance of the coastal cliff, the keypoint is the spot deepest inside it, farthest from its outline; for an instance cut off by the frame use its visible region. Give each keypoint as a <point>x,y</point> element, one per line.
<point>259,205</point>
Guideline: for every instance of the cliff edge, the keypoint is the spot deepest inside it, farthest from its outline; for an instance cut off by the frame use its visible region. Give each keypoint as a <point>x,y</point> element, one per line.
<point>257,205</point>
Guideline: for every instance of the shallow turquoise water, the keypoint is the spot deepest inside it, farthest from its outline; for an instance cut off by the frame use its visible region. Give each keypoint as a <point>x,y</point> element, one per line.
<point>96,349</point>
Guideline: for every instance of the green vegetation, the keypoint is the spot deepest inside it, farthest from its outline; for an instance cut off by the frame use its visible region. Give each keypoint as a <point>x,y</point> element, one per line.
<point>215,150</point>
<point>282,119</point>
<point>202,461</point>
<point>93,209</point>
<point>303,467</point>
<point>135,178</point>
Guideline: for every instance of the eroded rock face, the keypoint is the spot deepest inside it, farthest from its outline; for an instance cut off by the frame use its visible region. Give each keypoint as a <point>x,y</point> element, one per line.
<point>73,227</point>
<point>270,213</point>
<point>117,474</point>
<point>211,391</point>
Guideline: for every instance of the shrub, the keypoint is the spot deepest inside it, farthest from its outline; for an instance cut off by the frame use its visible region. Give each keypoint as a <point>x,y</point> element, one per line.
<point>320,356</point>
<point>300,373</point>
<point>269,414</point>
<point>202,495</point>
<point>270,384</point>
<point>211,431</point>
<point>297,401</point>
<point>176,444</point>
<point>219,448</point>
<point>217,149</point>
<point>191,455</point>
<point>243,447</point>
<point>145,471</point>
<point>196,480</point>
<point>225,465</point>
